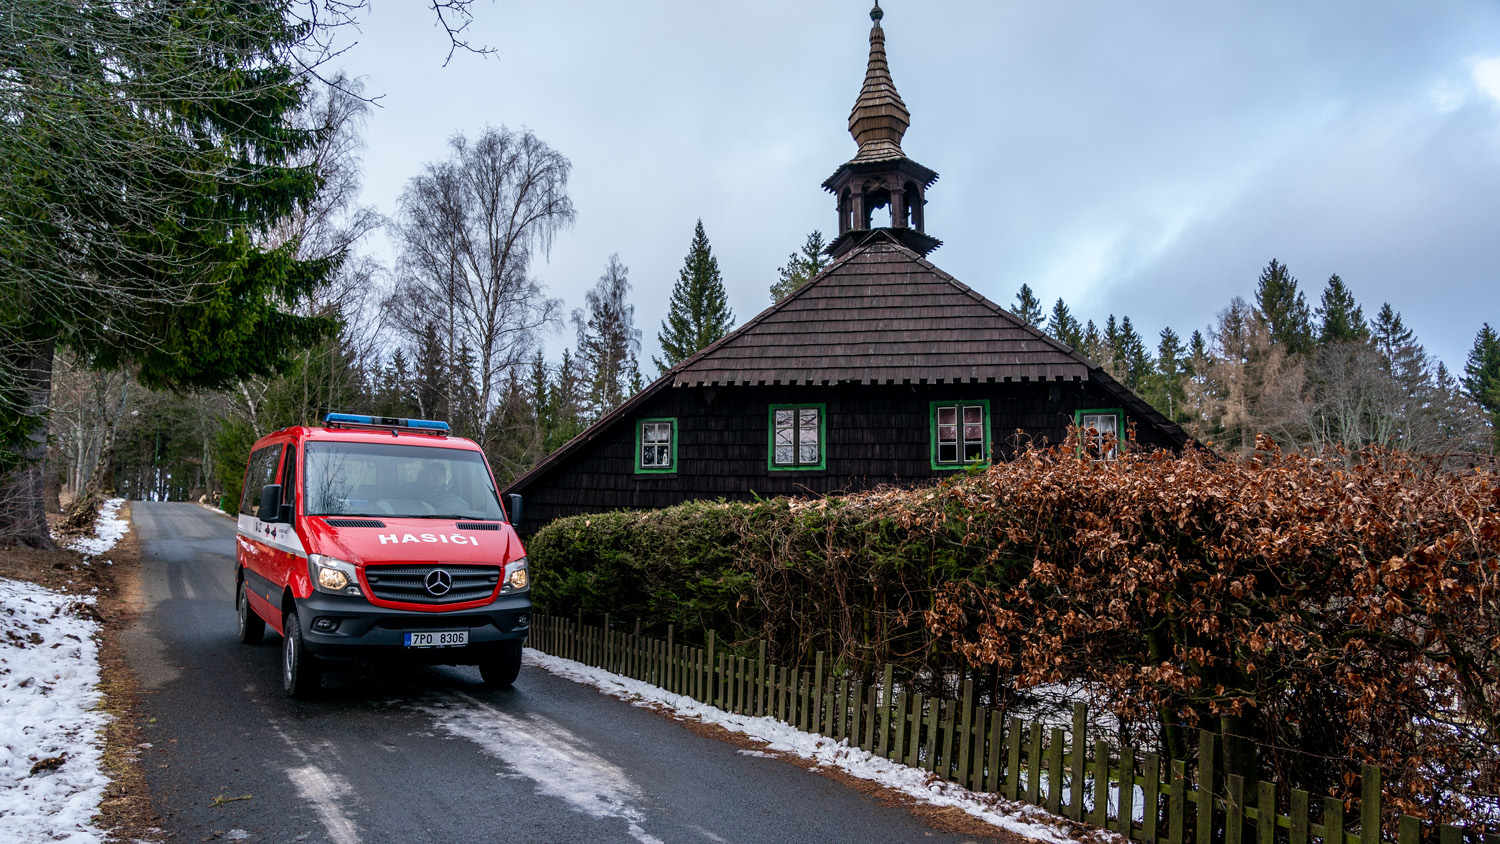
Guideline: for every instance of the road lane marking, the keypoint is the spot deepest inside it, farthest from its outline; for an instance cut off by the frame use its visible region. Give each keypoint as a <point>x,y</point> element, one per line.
<point>326,792</point>
<point>556,760</point>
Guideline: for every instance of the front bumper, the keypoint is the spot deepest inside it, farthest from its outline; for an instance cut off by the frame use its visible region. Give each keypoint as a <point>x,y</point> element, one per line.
<point>366,632</point>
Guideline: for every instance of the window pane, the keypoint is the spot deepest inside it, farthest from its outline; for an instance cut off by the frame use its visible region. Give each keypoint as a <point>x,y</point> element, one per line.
<point>808,434</point>
<point>973,451</point>
<point>783,455</point>
<point>973,433</point>
<point>809,453</point>
<point>648,433</point>
<point>663,456</point>
<point>947,415</point>
<point>809,418</point>
<point>783,436</point>
<point>947,433</point>
<point>784,419</point>
<point>648,455</point>
<point>948,452</point>
<point>973,415</point>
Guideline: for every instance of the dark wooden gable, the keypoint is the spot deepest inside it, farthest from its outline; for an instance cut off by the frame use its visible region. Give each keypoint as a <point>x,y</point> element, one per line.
<point>882,315</point>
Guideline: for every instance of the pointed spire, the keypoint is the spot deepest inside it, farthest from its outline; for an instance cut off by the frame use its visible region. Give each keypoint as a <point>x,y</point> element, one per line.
<point>879,118</point>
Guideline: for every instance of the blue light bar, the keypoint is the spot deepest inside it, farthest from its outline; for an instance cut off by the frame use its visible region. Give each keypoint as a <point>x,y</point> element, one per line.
<point>363,421</point>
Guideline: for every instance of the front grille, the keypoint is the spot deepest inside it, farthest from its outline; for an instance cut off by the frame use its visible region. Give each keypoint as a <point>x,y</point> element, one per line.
<point>367,523</point>
<point>408,584</point>
<point>480,526</point>
<point>434,621</point>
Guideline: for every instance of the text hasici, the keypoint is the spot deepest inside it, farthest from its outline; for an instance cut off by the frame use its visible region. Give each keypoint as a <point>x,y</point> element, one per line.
<point>456,539</point>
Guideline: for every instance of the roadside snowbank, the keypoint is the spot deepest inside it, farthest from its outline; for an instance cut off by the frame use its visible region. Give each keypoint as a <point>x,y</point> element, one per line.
<point>108,529</point>
<point>50,779</point>
<point>50,748</point>
<point>1019,818</point>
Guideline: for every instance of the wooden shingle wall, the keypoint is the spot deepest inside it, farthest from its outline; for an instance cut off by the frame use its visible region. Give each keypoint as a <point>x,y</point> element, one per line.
<point>875,434</point>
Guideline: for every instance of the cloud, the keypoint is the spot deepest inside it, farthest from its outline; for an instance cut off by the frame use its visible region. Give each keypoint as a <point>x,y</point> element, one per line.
<point>1486,73</point>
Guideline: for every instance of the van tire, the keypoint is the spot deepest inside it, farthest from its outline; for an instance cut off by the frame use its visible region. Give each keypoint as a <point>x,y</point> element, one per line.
<point>500,671</point>
<point>301,673</point>
<point>252,628</point>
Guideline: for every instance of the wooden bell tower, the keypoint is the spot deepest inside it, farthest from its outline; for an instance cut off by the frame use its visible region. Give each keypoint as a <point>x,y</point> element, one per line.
<point>880,175</point>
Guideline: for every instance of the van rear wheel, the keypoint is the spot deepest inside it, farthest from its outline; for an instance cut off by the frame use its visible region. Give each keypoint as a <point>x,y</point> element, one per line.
<point>501,670</point>
<point>252,628</point>
<point>301,674</point>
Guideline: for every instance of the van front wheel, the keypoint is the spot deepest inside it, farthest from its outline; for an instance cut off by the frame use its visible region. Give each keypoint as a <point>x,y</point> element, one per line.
<point>252,628</point>
<point>300,672</point>
<point>500,671</point>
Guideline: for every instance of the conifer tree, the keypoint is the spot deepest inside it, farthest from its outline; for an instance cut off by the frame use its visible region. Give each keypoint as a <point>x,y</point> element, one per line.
<point>1028,307</point>
<point>801,266</point>
<point>1389,332</point>
<point>698,313</point>
<point>1481,381</point>
<point>1340,318</point>
<point>1167,391</point>
<point>1130,354</point>
<point>1284,309</point>
<point>1064,326</point>
<point>608,340</point>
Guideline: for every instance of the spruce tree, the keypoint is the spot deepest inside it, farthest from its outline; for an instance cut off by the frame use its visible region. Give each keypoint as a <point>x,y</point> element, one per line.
<point>698,313</point>
<point>1284,309</point>
<point>1131,356</point>
<point>1028,307</point>
<point>801,266</point>
<point>1340,318</point>
<point>1481,381</point>
<point>1389,333</point>
<point>1167,392</point>
<point>1064,326</point>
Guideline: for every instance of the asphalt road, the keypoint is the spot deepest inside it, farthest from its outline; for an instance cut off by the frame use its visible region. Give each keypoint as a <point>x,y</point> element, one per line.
<point>428,754</point>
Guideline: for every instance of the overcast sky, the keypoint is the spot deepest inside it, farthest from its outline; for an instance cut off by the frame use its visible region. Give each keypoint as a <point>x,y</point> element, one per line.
<point>1142,158</point>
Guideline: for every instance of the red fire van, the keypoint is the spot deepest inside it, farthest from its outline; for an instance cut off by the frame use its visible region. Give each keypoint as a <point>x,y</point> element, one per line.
<point>373,538</point>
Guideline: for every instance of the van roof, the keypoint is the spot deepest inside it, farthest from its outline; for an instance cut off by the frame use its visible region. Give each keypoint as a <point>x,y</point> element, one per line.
<point>403,436</point>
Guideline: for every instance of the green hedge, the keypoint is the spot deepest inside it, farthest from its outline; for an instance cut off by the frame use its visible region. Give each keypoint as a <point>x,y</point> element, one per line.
<point>848,575</point>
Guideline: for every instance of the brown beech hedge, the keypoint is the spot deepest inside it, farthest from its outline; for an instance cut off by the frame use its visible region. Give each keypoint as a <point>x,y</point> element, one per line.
<point>1318,611</point>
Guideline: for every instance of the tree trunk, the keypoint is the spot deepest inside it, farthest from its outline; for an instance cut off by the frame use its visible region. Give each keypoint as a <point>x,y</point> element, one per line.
<point>23,514</point>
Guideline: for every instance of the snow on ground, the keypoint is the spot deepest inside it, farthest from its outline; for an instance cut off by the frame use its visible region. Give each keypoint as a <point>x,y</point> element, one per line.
<point>50,779</point>
<point>1019,818</point>
<point>108,529</point>
<point>50,746</point>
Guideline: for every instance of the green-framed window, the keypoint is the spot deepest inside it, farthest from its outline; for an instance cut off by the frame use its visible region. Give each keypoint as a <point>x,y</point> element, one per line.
<point>798,437</point>
<point>655,446</point>
<point>960,433</point>
<point>1101,430</point>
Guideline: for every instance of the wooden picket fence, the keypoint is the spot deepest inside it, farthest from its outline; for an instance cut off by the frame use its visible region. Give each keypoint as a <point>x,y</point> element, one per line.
<point>1164,801</point>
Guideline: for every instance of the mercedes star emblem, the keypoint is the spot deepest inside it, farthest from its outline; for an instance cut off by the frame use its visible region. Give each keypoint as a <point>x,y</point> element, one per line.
<point>439,582</point>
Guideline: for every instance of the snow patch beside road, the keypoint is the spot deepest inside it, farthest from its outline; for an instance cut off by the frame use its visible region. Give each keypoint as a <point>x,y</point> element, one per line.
<point>108,529</point>
<point>50,779</point>
<point>50,747</point>
<point>1019,818</point>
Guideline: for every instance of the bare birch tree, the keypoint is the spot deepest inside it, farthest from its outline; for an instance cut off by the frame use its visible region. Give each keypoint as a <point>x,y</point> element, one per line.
<point>470,229</point>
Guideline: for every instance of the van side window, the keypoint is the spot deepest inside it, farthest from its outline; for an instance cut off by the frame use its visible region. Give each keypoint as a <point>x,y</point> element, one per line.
<point>261,471</point>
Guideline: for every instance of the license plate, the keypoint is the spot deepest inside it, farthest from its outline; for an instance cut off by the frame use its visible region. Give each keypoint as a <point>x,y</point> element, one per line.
<point>437,639</point>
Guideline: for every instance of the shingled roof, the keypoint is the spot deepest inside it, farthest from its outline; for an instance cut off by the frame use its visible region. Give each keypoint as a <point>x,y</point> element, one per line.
<point>882,315</point>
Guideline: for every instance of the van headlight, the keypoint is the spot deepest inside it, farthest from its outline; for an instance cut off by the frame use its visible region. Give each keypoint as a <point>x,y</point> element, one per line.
<point>331,575</point>
<point>517,576</point>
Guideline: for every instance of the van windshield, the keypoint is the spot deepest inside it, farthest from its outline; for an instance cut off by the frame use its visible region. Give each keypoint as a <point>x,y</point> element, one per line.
<point>370,479</point>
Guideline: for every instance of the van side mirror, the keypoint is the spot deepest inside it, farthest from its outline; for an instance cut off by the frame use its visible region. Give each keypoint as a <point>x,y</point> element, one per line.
<point>513,506</point>
<point>270,503</point>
